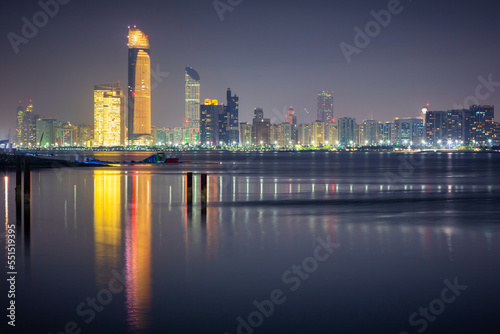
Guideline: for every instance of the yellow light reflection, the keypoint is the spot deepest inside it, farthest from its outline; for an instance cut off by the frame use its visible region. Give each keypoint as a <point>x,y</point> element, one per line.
<point>6,179</point>
<point>107,223</point>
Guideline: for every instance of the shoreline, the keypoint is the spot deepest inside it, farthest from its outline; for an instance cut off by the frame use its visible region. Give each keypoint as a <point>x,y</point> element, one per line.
<point>8,161</point>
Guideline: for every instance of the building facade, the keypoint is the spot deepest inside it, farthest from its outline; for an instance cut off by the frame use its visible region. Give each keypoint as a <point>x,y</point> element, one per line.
<point>347,128</point>
<point>245,134</point>
<point>191,98</point>
<point>210,112</point>
<point>139,88</point>
<point>325,106</point>
<point>318,133</point>
<point>232,125</point>
<point>109,128</point>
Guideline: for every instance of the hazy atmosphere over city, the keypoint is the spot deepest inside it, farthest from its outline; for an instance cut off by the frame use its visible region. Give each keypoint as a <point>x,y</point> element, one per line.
<point>272,54</point>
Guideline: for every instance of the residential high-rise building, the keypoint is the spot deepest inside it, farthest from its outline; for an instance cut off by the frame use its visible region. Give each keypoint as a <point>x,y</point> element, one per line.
<point>86,133</point>
<point>178,136</point>
<point>139,88</point>
<point>482,118</point>
<point>408,130</point>
<point>258,113</point>
<point>209,112</point>
<point>347,131</point>
<point>69,134</point>
<point>317,133</point>
<point>386,130</point>
<point>108,115</point>
<point>290,117</point>
<point>262,131</point>
<point>332,134</point>
<point>325,106</point>
<point>273,135</point>
<point>191,98</point>
<point>45,132</point>
<point>19,123</point>
<point>160,139</point>
<point>495,137</point>
<point>261,128</point>
<point>304,136</point>
<point>28,128</point>
<point>370,133</point>
<point>292,120</point>
<point>245,134</point>
<point>232,130</point>
<point>465,126</point>
<point>282,135</point>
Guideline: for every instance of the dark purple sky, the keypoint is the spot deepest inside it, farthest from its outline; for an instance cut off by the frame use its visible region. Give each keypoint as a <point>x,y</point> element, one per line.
<point>272,54</point>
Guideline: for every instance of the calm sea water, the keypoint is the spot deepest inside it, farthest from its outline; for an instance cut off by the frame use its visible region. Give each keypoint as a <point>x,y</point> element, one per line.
<point>289,243</point>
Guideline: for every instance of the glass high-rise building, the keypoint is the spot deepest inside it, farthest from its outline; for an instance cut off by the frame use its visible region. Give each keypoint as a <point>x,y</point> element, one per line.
<point>325,106</point>
<point>347,131</point>
<point>19,128</point>
<point>139,88</point>
<point>45,130</point>
<point>209,122</point>
<point>232,127</point>
<point>108,115</point>
<point>192,98</point>
<point>28,128</point>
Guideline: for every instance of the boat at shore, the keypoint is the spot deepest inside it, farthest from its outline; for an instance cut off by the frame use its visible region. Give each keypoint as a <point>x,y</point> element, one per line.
<point>158,158</point>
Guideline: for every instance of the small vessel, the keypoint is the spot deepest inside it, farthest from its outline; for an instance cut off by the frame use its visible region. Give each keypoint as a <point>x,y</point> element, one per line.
<point>171,160</point>
<point>156,158</point>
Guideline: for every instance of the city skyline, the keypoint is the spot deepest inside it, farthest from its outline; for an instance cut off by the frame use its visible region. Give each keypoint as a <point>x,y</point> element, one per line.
<point>377,80</point>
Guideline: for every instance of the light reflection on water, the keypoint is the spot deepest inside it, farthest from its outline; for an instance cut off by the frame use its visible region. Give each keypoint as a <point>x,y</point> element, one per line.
<point>179,262</point>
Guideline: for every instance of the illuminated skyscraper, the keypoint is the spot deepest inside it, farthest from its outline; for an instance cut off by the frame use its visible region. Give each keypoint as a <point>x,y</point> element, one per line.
<point>45,129</point>
<point>139,88</point>
<point>304,136</point>
<point>192,98</point>
<point>232,128</point>
<point>347,131</point>
<point>28,127</point>
<point>19,128</point>
<point>245,134</point>
<point>318,133</point>
<point>108,115</point>
<point>209,122</point>
<point>292,119</point>
<point>325,106</point>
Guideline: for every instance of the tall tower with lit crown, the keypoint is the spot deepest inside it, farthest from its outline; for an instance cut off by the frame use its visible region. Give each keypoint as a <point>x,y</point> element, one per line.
<point>139,88</point>
<point>325,106</point>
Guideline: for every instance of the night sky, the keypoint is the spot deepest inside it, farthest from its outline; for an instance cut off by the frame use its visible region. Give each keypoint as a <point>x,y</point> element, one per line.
<point>272,54</point>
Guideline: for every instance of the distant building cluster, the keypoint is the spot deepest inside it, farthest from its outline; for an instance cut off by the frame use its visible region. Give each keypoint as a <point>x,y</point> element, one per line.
<point>120,122</point>
<point>34,130</point>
